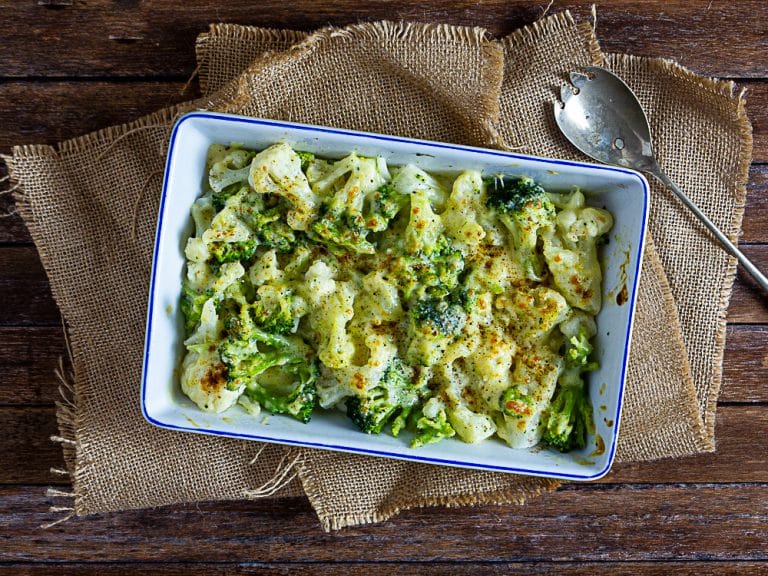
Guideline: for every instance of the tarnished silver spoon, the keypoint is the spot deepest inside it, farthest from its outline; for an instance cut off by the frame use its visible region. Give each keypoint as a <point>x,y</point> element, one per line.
<point>603,118</point>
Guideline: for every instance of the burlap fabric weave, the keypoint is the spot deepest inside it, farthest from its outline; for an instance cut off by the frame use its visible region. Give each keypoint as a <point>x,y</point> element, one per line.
<point>91,204</point>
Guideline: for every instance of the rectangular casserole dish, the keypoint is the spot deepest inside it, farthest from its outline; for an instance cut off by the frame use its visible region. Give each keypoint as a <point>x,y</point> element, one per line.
<point>623,192</point>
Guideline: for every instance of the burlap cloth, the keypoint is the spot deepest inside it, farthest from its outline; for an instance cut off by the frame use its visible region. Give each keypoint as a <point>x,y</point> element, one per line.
<point>91,204</point>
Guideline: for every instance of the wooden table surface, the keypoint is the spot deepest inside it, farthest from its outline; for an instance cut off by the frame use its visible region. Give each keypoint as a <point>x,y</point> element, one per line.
<point>72,66</point>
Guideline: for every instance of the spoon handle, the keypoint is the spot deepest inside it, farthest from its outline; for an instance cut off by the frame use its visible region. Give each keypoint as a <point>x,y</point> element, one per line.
<point>727,244</point>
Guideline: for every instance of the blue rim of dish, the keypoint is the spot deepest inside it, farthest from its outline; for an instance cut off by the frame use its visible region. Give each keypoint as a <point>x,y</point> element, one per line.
<point>368,451</point>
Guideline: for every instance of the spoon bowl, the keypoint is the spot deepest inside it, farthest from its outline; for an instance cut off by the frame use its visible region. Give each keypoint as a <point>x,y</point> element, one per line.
<point>602,117</point>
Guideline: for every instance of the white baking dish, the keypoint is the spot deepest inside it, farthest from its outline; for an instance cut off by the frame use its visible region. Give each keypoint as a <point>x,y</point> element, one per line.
<point>623,192</point>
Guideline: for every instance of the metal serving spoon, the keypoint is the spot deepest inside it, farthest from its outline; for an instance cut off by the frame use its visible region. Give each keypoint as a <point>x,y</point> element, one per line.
<point>602,117</point>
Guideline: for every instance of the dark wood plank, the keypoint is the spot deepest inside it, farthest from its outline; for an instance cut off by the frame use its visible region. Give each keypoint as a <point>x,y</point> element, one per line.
<point>388,568</point>
<point>741,435</point>
<point>757,99</point>
<point>28,358</point>
<point>745,365</point>
<point>24,291</point>
<point>577,523</point>
<point>748,303</point>
<point>46,113</point>
<point>755,224</point>
<point>156,38</point>
<point>27,435</point>
<point>742,443</point>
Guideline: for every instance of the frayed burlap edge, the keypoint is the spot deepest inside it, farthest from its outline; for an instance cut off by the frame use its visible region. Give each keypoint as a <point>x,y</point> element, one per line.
<point>234,96</point>
<point>724,89</point>
<point>518,495</point>
<point>237,32</point>
<point>558,22</point>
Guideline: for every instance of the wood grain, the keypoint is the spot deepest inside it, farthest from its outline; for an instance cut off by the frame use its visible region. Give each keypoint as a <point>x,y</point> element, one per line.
<point>24,291</point>
<point>29,454</point>
<point>748,303</point>
<point>755,224</point>
<point>577,523</point>
<point>745,364</point>
<point>28,357</point>
<point>35,113</point>
<point>156,38</point>
<point>441,568</point>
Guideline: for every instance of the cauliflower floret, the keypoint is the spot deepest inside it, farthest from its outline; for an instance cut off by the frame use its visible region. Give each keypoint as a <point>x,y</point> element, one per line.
<point>227,166</point>
<point>277,170</point>
<point>336,348</point>
<point>491,365</point>
<point>265,270</point>
<point>202,214</point>
<point>379,300</point>
<point>332,307</point>
<point>209,328</point>
<point>532,314</point>
<point>424,227</point>
<point>338,383</point>
<point>571,253</point>
<point>320,283</point>
<point>460,216</point>
<point>227,227</point>
<point>464,412</point>
<point>535,377</point>
<point>204,380</point>
<point>409,179</point>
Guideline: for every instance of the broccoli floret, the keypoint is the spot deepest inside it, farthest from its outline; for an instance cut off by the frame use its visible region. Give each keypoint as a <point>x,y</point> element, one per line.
<point>192,306</point>
<point>395,394</point>
<point>569,416</point>
<point>269,227</point>
<point>432,424</point>
<point>341,224</point>
<point>219,199</point>
<point>433,324</point>
<point>300,402</point>
<point>525,210</point>
<point>386,203</point>
<point>247,361</point>
<point>433,275</point>
<point>578,351</point>
<point>277,318</point>
<point>516,404</point>
<point>306,159</point>
<point>251,323</point>
<point>339,230</point>
<point>221,252</point>
<point>567,419</point>
<point>464,297</point>
<point>438,317</point>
